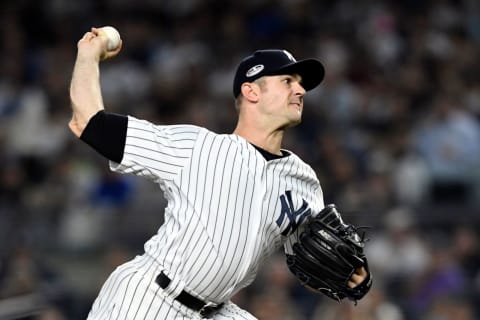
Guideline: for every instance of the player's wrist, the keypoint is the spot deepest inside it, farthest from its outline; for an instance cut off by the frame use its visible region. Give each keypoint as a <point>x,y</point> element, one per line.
<point>87,57</point>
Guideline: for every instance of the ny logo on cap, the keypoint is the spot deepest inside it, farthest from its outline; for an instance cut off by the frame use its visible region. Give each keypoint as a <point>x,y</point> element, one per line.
<point>289,56</point>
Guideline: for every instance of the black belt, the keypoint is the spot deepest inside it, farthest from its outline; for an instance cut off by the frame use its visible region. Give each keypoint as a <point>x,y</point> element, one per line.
<point>187,299</point>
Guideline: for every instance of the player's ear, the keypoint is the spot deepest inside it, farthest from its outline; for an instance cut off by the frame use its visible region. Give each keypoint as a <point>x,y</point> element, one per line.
<point>250,91</point>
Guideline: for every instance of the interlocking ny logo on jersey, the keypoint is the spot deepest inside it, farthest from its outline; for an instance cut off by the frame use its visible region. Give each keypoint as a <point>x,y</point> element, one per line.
<point>295,217</point>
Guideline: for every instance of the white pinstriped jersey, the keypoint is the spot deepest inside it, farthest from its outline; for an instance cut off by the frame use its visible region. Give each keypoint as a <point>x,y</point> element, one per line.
<point>228,208</point>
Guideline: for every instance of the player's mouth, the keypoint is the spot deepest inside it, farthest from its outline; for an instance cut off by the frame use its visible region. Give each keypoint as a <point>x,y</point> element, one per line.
<point>297,105</point>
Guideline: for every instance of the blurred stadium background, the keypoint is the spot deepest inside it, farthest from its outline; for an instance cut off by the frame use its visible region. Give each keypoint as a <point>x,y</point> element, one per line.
<point>393,133</point>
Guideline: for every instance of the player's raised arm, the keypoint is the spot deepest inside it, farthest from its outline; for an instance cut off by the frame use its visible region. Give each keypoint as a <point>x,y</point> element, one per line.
<point>85,91</point>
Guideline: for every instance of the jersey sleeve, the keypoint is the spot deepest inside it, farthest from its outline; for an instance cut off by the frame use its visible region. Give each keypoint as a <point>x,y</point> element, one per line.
<point>157,152</point>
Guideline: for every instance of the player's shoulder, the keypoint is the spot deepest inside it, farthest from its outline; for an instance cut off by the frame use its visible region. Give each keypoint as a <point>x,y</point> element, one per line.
<point>297,161</point>
<point>292,156</point>
<point>185,128</point>
<point>144,124</point>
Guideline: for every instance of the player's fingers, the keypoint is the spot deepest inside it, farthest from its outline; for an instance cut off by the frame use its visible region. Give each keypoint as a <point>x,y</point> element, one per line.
<point>92,34</point>
<point>355,280</point>
<point>110,54</point>
<point>87,36</point>
<point>361,272</point>
<point>98,32</point>
<point>93,44</point>
<point>357,277</point>
<point>351,284</point>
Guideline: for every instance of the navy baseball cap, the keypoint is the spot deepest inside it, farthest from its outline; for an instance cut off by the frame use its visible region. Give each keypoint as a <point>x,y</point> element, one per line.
<point>272,62</point>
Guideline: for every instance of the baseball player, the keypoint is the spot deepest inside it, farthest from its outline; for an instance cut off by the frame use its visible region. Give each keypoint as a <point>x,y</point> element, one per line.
<point>233,199</point>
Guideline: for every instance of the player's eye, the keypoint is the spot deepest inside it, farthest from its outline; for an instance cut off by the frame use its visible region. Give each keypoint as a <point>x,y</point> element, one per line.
<point>287,80</point>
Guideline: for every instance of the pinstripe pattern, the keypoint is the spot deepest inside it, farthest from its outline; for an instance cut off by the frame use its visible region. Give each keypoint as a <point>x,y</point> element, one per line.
<point>224,217</point>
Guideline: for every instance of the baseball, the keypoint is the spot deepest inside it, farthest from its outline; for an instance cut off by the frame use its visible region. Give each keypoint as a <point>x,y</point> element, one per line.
<point>113,37</point>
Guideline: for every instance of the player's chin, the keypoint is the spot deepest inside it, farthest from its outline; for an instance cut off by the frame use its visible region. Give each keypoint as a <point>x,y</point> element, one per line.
<point>294,122</point>
<point>296,119</point>
<point>291,120</point>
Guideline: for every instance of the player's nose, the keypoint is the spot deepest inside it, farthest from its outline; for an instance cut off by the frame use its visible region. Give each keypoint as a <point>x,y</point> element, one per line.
<point>299,90</point>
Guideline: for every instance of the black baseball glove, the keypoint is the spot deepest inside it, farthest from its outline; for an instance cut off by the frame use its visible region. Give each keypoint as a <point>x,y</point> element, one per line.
<point>328,252</point>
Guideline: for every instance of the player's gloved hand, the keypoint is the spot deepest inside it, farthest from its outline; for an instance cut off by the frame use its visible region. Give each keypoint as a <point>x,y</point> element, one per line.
<point>329,258</point>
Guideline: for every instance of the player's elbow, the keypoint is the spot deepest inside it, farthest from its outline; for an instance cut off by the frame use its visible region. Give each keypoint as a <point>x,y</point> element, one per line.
<point>79,122</point>
<point>84,107</point>
<point>76,127</point>
<point>80,118</point>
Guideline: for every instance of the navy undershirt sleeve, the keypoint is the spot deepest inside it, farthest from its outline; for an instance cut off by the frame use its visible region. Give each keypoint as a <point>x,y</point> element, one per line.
<point>106,133</point>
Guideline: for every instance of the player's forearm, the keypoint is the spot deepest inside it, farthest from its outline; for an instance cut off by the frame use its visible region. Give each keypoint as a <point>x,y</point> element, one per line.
<point>85,93</point>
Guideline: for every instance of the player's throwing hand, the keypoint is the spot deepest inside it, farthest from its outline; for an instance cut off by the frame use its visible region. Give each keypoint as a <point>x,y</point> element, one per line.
<point>95,44</point>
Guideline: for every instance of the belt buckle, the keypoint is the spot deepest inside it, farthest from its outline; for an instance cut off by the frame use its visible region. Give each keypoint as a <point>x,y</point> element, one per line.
<point>207,309</point>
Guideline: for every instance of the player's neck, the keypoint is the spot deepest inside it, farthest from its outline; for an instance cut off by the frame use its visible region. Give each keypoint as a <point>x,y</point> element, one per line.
<point>270,141</point>
<point>260,128</point>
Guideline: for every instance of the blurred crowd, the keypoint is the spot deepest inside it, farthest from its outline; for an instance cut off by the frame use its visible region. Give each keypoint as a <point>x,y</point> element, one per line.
<point>393,133</point>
